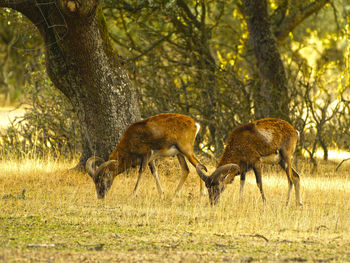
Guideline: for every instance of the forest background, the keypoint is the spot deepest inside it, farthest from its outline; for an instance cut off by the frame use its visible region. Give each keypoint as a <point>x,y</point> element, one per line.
<point>194,58</point>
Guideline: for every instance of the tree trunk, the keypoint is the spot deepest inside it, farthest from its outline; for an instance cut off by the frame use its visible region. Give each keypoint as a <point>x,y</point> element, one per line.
<point>81,63</point>
<point>325,152</point>
<point>272,98</point>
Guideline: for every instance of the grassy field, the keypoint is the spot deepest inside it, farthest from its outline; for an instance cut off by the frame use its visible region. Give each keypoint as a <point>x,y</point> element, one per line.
<point>59,219</point>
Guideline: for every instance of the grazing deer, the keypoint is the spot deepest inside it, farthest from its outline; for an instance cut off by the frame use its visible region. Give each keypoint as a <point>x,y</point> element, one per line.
<point>267,140</point>
<point>165,134</point>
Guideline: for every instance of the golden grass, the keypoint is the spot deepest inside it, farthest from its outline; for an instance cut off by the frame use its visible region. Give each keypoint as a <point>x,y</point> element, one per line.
<point>61,220</point>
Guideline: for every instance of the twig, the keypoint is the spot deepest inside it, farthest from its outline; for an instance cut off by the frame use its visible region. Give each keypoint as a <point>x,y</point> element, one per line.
<point>154,45</point>
<point>336,169</point>
<point>41,245</point>
<point>258,235</point>
<point>261,236</point>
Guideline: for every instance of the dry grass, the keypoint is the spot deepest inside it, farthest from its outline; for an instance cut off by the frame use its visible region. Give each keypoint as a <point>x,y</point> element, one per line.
<point>60,220</point>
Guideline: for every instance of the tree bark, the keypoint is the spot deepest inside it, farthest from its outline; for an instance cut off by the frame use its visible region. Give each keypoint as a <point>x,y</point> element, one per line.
<point>81,63</point>
<point>272,98</point>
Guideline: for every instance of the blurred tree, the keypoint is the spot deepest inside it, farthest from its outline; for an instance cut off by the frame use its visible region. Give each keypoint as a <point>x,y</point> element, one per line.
<point>193,57</point>
<point>16,52</point>
<point>185,67</point>
<point>272,99</point>
<point>83,65</point>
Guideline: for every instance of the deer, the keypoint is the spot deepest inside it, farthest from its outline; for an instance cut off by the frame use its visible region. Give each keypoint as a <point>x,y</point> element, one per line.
<point>162,135</point>
<point>268,140</point>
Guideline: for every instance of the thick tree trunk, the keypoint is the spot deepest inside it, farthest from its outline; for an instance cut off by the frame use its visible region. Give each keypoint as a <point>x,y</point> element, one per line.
<point>81,63</point>
<point>272,98</point>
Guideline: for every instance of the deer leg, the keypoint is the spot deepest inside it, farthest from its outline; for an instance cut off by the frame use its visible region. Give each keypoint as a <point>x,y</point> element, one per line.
<point>143,164</point>
<point>290,186</point>
<point>185,172</point>
<point>287,168</point>
<point>188,152</point>
<point>202,188</point>
<point>296,182</point>
<point>257,172</point>
<point>154,172</point>
<point>241,187</point>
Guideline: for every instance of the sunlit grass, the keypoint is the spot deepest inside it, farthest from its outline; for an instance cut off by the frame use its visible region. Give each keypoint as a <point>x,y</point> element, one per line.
<point>60,209</point>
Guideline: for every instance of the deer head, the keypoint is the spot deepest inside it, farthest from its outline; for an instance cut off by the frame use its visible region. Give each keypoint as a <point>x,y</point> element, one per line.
<point>103,175</point>
<point>216,182</point>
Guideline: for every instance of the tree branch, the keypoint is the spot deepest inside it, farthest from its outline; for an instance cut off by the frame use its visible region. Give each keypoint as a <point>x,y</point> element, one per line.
<point>294,17</point>
<point>126,6</point>
<point>188,12</point>
<point>151,47</point>
<point>335,15</point>
<point>336,169</point>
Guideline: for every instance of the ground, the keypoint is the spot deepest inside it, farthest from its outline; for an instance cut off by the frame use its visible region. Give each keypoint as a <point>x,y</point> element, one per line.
<point>49,214</point>
<point>57,218</point>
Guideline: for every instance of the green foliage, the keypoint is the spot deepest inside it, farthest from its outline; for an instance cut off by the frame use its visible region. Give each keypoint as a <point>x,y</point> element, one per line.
<point>193,57</point>
<point>19,46</point>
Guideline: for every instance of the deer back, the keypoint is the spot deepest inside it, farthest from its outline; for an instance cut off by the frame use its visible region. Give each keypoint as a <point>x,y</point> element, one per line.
<point>155,133</point>
<point>248,143</point>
